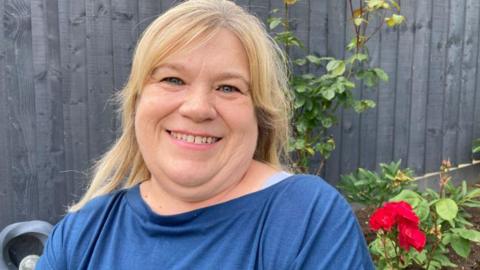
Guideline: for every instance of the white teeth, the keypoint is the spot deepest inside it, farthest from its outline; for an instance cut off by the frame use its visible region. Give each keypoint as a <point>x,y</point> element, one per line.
<point>193,139</point>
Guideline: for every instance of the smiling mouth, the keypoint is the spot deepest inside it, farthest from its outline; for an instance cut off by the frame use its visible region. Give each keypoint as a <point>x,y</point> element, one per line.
<point>195,139</point>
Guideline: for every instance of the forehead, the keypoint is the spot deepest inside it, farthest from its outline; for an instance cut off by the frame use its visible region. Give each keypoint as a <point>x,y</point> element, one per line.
<point>220,51</point>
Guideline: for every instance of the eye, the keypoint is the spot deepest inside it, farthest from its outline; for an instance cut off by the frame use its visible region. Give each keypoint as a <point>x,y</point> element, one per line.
<point>173,80</point>
<point>227,89</point>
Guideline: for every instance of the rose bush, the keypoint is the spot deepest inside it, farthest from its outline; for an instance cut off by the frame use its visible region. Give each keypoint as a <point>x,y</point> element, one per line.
<point>398,230</point>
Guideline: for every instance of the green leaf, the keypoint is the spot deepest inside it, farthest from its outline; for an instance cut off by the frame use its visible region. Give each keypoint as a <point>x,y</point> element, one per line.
<point>299,101</point>
<point>310,150</point>
<point>446,208</point>
<point>360,57</point>
<point>409,196</point>
<point>328,94</point>
<point>352,45</point>
<point>274,22</point>
<point>381,74</point>
<point>300,61</point>
<point>301,88</point>
<point>473,194</point>
<point>358,21</point>
<point>444,260</point>
<point>327,122</point>
<point>394,20</point>
<point>336,67</point>
<point>460,246</point>
<point>314,59</point>
<point>476,146</point>
<point>472,235</point>
<point>339,70</point>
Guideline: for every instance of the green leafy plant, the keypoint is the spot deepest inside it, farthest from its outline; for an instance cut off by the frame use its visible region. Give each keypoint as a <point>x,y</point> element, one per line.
<point>318,97</point>
<point>372,189</point>
<point>443,217</point>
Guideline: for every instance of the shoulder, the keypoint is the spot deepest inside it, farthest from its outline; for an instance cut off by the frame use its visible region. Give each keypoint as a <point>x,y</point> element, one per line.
<point>312,217</point>
<point>93,209</point>
<point>311,190</point>
<point>75,228</point>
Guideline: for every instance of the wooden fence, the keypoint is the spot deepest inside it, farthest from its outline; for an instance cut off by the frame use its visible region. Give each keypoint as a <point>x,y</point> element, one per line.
<point>61,61</point>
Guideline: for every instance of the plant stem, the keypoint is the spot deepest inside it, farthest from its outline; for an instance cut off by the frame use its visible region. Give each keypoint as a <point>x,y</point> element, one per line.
<point>384,241</point>
<point>397,255</point>
<point>435,245</point>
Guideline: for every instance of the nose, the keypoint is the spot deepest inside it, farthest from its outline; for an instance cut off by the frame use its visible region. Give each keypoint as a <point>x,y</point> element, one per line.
<point>198,104</point>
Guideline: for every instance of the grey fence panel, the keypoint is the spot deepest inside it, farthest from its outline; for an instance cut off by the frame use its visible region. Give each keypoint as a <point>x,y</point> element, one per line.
<point>73,33</point>
<point>100,76</point>
<point>468,80</point>
<point>48,93</point>
<point>368,120</point>
<point>350,124</point>
<point>436,85</point>
<point>416,146</point>
<point>386,96</point>
<point>336,22</point>
<point>404,82</point>
<point>452,80</point>
<point>20,93</point>
<point>6,214</point>
<point>62,61</point>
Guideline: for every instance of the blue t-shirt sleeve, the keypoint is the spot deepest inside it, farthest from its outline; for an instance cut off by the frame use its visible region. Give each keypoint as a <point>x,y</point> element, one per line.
<point>343,247</point>
<point>333,238</point>
<point>54,253</point>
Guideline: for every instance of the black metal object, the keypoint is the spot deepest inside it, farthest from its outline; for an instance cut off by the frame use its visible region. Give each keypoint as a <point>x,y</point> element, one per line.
<point>19,240</point>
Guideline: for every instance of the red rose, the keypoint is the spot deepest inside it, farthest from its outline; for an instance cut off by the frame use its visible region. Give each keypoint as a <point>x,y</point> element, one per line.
<point>410,236</point>
<point>382,218</point>
<point>404,212</point>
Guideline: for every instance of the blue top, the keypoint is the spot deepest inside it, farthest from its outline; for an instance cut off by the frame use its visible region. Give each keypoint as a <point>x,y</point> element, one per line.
<point>298,223</point>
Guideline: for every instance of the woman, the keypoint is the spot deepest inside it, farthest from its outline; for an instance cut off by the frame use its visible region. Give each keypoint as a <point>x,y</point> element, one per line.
<point>195,181</point>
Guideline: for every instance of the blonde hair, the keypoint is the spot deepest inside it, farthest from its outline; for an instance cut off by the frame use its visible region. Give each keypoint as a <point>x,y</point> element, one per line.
<point>189,22</point>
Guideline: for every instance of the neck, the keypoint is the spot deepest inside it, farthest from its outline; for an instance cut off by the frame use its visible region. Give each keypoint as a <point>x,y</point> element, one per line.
<point>163,203</point>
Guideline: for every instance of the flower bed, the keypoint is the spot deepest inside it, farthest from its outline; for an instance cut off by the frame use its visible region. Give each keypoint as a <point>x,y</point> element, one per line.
<point>471,263</point>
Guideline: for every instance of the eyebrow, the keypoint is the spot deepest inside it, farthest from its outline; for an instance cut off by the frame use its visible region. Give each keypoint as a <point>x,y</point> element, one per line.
<point>222,76</point>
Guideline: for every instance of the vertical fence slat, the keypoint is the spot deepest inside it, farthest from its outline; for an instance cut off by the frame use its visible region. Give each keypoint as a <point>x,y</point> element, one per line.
<point>21,110</point>
<point>166,4</point>
<point>318,27</point>
<point>299,14</point>
<point>368,119</point>
<point>148,10</point>
<point>74,62</point>
<point>5,179</point>
<point>416,145</point>
<point>386,96</point>
<point>452,83</point>
<point>124,21</point>
<point>404,79</point>
<point>242,3</point>
<point>436,83</point>
<point>49,109</point>
<point>317,40</point>
<point>335,47</point>
<point>476,110</point>
<point>467,90</point>
<point>350,125</point>
<point>101,116</point>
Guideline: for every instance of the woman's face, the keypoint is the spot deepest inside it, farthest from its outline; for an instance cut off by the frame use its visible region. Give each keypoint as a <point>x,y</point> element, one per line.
<point>195,122</point>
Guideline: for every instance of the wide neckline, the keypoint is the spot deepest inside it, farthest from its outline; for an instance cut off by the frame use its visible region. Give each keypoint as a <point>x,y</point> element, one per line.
<point>141,208</point>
